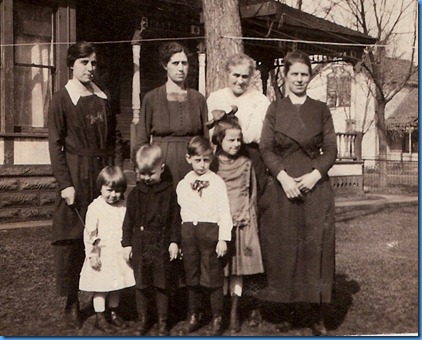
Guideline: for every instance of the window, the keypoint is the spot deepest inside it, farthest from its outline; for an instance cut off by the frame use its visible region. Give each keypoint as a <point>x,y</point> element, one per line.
<point>33,27</point>
<point>339,88</point>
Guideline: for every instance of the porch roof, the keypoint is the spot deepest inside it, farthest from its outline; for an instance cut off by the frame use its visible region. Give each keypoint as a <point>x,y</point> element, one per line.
<point>272,19</point>
<point>406,114</point>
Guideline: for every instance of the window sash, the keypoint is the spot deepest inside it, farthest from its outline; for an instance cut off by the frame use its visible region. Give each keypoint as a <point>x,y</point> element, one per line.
<point>34,64</point>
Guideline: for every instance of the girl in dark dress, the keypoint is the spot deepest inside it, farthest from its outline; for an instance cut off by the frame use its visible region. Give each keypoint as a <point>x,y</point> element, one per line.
<point>81,136</point>
<point>298,146</point>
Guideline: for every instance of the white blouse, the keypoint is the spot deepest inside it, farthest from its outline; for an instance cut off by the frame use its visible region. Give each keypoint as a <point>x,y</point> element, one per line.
<point>252,108</point>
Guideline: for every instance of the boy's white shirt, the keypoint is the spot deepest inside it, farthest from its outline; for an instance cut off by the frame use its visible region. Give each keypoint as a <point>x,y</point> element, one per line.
<point>212,206</point>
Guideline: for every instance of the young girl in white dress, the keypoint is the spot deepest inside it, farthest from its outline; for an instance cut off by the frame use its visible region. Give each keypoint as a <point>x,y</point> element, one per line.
<point>238,174</point>
<point>105,270</point>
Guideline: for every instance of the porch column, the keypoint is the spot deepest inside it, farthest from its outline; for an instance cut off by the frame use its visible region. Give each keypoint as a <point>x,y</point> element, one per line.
<point>409,134</point>
<point>136,81</point>
<point>136,94</point>
<point>202,64</point>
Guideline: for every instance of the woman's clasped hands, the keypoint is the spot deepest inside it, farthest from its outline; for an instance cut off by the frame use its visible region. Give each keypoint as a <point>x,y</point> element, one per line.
<point>296,187</point>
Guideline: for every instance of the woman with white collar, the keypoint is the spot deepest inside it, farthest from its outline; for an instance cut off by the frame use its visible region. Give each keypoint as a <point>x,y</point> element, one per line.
<point>81,136</point>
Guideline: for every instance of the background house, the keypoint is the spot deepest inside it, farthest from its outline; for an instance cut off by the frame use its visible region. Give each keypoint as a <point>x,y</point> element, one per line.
<point>347,91</point>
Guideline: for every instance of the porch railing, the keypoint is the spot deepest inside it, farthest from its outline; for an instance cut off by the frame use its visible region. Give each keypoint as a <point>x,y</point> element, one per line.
<point>349,146</point>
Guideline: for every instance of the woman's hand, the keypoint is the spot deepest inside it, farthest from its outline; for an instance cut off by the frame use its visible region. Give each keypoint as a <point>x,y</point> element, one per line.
<point>68,194</point>
<point>221,248</point>
<point>289,185</point>
<point>307,182</point>
<point>173,251</point>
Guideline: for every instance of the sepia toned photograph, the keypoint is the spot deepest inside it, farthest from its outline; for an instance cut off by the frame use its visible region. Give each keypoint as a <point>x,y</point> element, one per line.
<point>209,168</point>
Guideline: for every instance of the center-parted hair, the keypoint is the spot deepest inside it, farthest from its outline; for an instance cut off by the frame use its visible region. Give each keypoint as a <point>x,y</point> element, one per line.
<point>169,49</point>
<point>112,176</point>
<point>220,129</point>
<point>199,146</point>
<point>148,156</point>
<point>296,57</point>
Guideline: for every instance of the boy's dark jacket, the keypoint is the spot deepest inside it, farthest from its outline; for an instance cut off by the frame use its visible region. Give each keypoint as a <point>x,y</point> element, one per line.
<point>151,223</point>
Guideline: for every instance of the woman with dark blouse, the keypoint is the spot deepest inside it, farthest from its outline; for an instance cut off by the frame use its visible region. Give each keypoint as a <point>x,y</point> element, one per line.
<point>81,138</point>
<point>298,146</point>
<point>172,113</point>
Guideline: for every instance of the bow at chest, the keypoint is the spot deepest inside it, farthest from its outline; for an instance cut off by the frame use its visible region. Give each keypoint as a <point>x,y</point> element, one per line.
<point>199,185</point>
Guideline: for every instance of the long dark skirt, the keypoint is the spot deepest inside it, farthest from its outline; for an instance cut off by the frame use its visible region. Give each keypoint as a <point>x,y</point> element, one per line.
<point>298,244</point>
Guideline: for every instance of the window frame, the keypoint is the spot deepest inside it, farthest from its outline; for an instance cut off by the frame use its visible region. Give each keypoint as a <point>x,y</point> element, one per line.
<point>64,33</point>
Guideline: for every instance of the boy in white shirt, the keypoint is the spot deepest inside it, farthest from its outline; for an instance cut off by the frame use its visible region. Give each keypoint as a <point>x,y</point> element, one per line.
<point>206,227</point>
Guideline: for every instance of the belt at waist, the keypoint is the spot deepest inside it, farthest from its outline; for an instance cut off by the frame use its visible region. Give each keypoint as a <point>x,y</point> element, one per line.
<point>171,139</point>
<point>195,223</point>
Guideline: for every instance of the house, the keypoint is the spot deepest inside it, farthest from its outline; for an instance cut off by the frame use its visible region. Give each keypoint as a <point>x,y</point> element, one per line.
<point>34,38</point>
<point>403,128</point>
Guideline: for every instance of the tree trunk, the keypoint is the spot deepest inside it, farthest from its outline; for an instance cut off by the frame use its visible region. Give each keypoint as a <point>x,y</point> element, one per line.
<point>221,18</point>
<point>382,140</point>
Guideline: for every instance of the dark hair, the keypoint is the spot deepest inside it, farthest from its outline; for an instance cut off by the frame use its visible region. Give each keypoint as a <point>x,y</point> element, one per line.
<point>239,59</point>
<point>199,146</point>
<point>79,50</point>
<point>220,129</point>
<point>169,49</point>
<point>112,176</point>
<point>296,57</point>
<point>151,154</point>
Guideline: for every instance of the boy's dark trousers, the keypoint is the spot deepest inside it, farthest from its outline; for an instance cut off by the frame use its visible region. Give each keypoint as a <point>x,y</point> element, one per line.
<point>202,268</point>
<point>143,301</point>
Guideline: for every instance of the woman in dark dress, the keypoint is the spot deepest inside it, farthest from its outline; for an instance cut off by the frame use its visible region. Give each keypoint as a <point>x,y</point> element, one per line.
<point>81,136</point>
<point>172,113</point>
<point>298,146</point>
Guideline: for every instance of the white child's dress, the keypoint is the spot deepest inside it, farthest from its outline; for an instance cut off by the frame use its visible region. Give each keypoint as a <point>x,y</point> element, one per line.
<point>104,222</point>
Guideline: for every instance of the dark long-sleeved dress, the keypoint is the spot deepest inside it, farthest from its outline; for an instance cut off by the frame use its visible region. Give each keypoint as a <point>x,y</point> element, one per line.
<point>151,223</point>
<point>298,236</point>
<point>171,123</point>
<point>81,142</point>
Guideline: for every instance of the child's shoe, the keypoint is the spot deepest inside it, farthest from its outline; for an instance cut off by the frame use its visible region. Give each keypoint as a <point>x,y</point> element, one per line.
<point>194,322</point>
<point>216,326</point>
<point>162,325</point>
<point>117,321</point>
<point>255,318</point>
<point>141,326</point>
<point>102,324</point>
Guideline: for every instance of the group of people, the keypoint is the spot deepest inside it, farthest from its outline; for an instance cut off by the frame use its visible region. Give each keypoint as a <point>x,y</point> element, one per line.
<point>230,189</point>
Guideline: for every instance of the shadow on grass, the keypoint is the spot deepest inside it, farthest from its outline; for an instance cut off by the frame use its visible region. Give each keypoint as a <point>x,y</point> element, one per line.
<point>342,299</point>
<point>301,315</point>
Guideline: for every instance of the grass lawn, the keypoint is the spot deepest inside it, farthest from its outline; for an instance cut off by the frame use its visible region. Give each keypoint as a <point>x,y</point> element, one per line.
<point>376,289</point>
